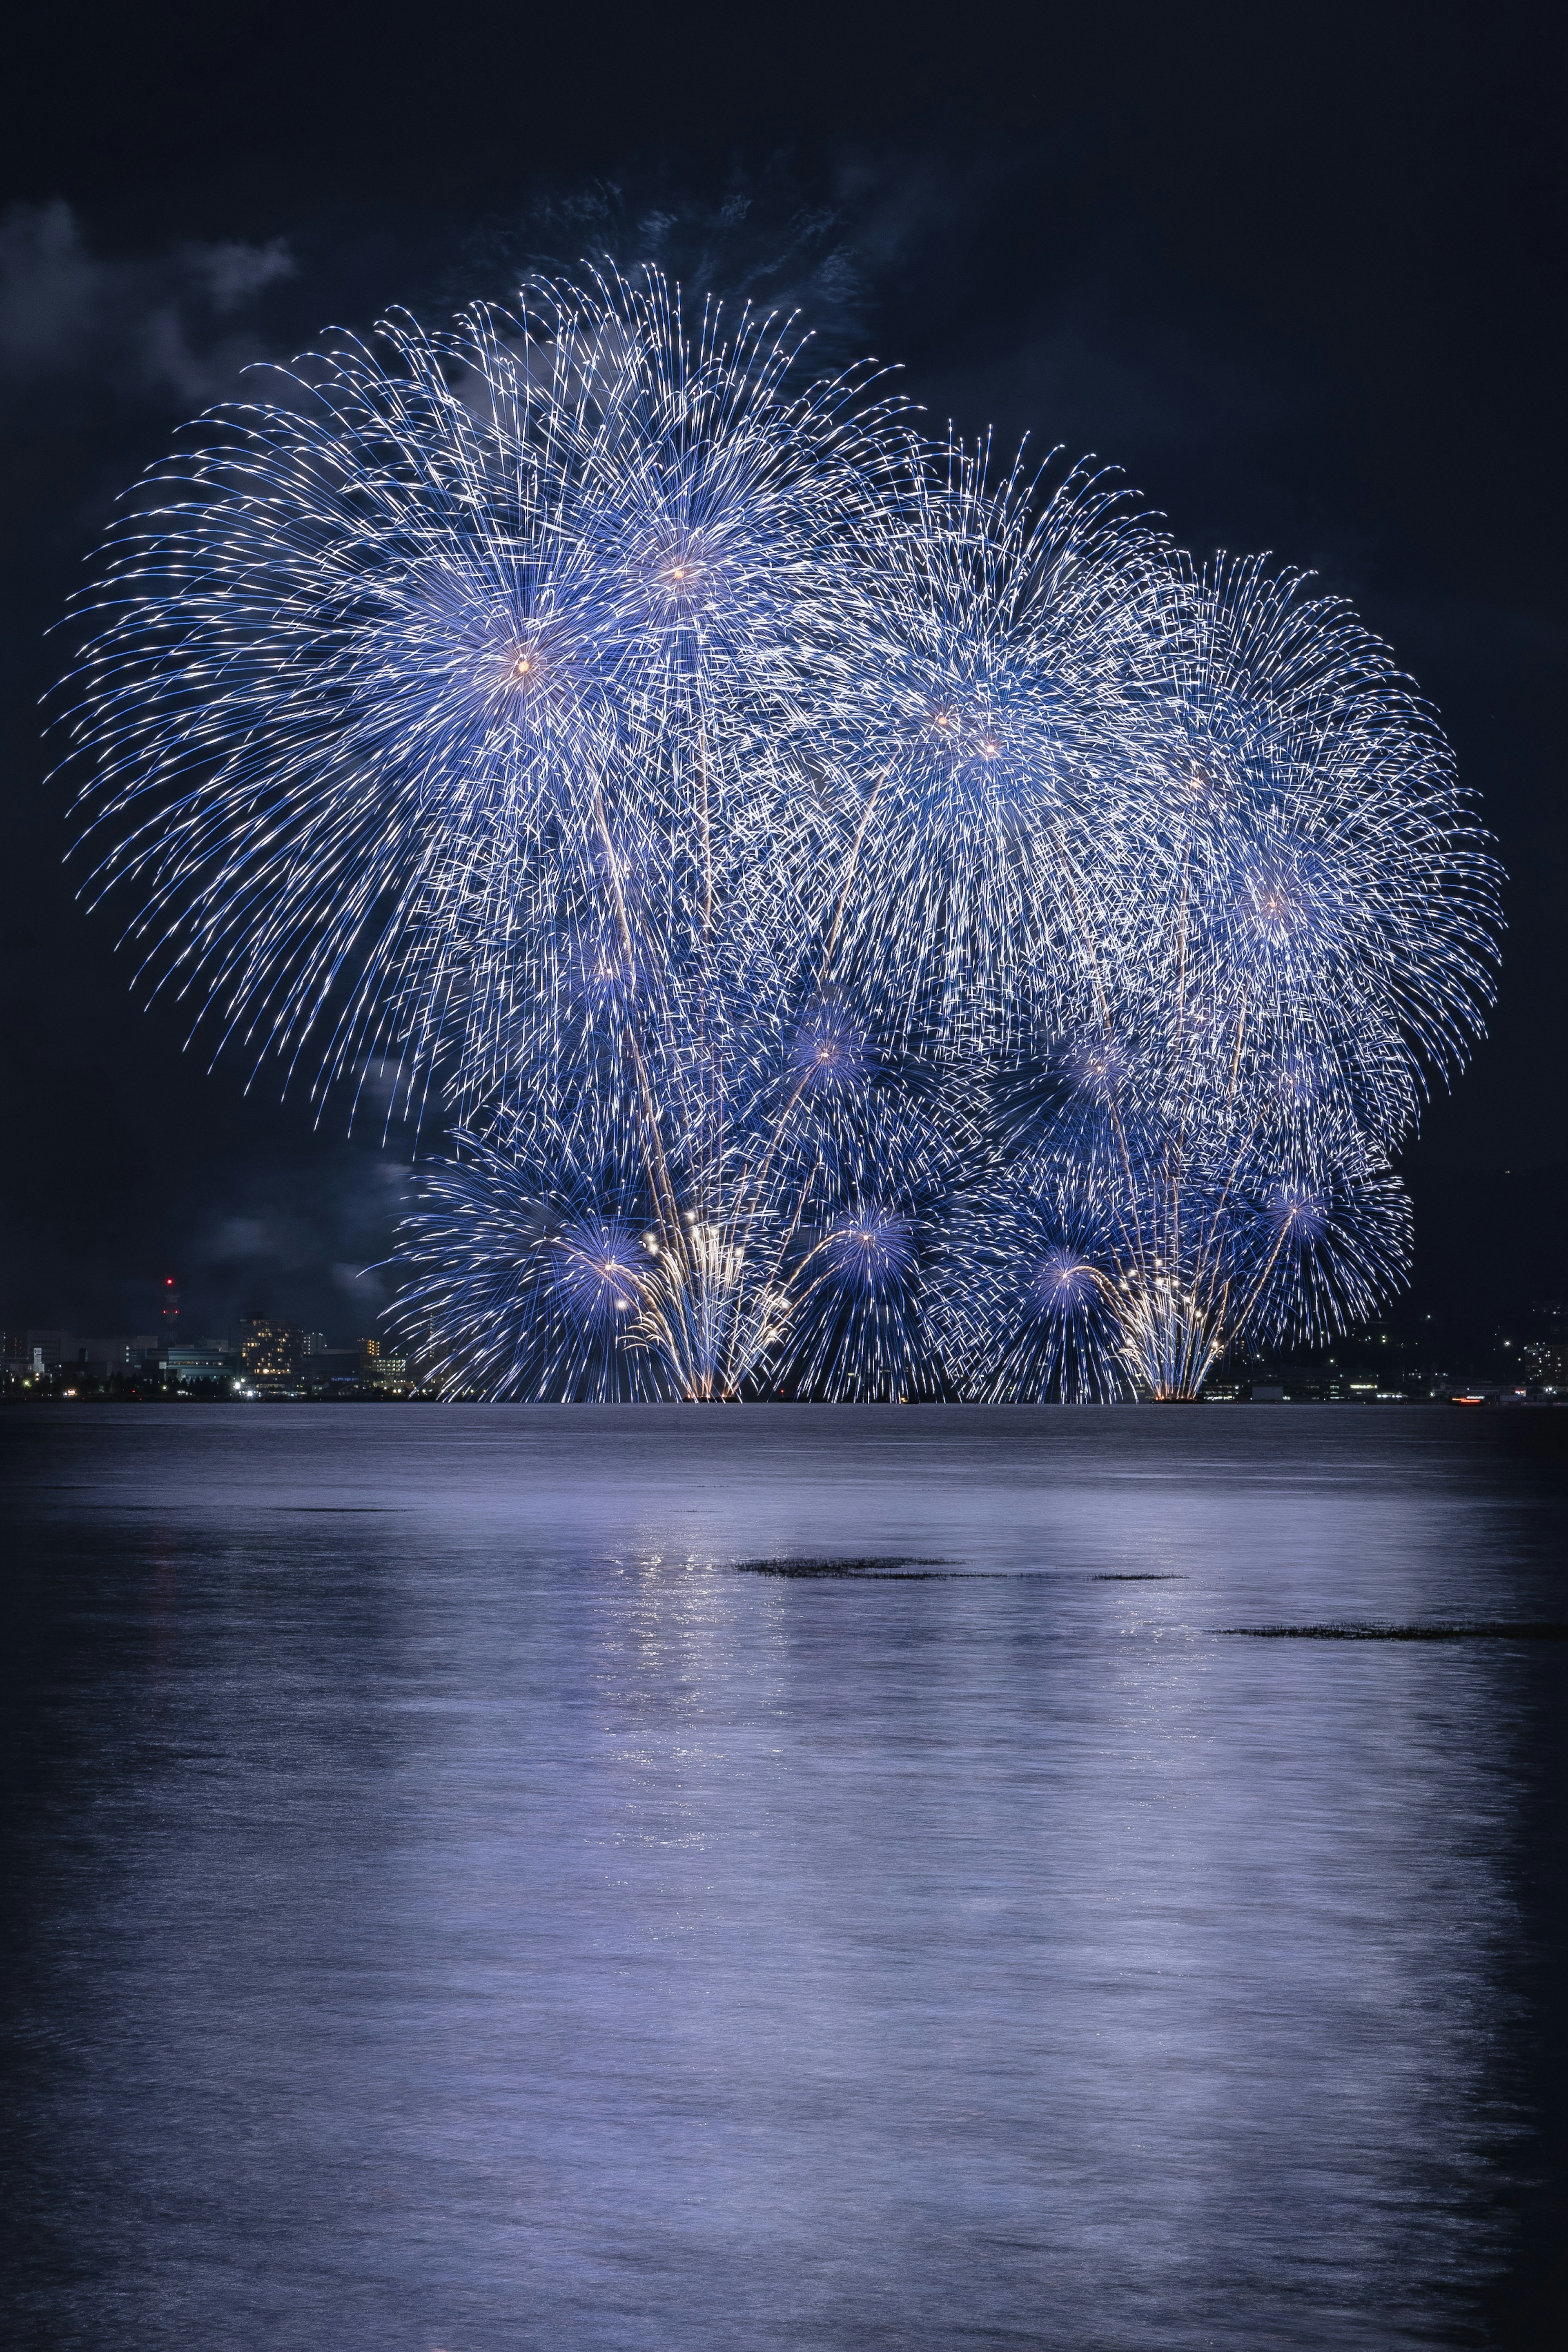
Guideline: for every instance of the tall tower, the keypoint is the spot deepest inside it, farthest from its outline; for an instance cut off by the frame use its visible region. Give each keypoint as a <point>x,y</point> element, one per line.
<point>171,1326</point>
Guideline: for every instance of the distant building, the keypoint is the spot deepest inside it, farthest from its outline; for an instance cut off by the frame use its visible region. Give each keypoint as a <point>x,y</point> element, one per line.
<point>189,1361</point>
<point>380,1372</point>
<point>93,1358</point>
<point>271,1354</point>
<point>1544,1354</point>
<point>118,1353</point>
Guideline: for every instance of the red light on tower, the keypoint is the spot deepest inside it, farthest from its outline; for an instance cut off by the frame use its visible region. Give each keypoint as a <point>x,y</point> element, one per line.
<point>170,1306</point>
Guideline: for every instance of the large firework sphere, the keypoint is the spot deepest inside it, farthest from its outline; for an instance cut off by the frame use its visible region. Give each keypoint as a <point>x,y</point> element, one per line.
<point>870,926</point>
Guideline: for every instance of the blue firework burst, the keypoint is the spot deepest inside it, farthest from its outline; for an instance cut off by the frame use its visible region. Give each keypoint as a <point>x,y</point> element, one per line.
<point>878,928</point>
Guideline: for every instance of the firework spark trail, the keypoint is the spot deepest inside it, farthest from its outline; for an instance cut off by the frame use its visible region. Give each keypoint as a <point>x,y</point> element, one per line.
<point>1313,942</point>
<point>874,928</point>
<point>993,735</point>
<point>513,1293</point>
<point>388,669</point>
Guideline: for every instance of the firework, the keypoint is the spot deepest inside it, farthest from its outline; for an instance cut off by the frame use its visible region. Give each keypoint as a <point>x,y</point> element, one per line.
<point>991,748</point>
<point>1028,1305</point>
<point>466,653</point>
<point>519,1291</point>
<point>876,928</point>
<point>1310,944</point>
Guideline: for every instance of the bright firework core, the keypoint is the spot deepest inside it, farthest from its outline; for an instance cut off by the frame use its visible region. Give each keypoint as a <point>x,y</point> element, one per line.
<point>878,929</point>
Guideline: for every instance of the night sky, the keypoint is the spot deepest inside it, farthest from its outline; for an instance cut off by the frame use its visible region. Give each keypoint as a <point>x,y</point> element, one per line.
<point>1299,272</point>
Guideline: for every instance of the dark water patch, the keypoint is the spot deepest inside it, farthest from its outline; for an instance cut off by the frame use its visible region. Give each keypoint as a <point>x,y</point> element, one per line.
<point>1481,1629</point>
<point>891,1567</point>
<point>1109,1576</point>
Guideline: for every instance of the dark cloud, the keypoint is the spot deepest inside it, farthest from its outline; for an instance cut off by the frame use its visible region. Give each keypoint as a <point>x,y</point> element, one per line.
<point>163,329</point>
<point>300,1240</point>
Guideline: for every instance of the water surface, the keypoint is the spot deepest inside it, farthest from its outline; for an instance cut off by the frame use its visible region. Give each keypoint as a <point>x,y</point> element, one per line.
<point>458,1905</point>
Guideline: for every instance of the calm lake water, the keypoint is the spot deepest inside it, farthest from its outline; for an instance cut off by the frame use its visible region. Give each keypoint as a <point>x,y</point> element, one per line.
<point>456,1904</point>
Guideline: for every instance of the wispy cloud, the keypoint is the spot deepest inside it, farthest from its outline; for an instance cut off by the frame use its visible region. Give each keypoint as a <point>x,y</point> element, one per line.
<point>165,327</point>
